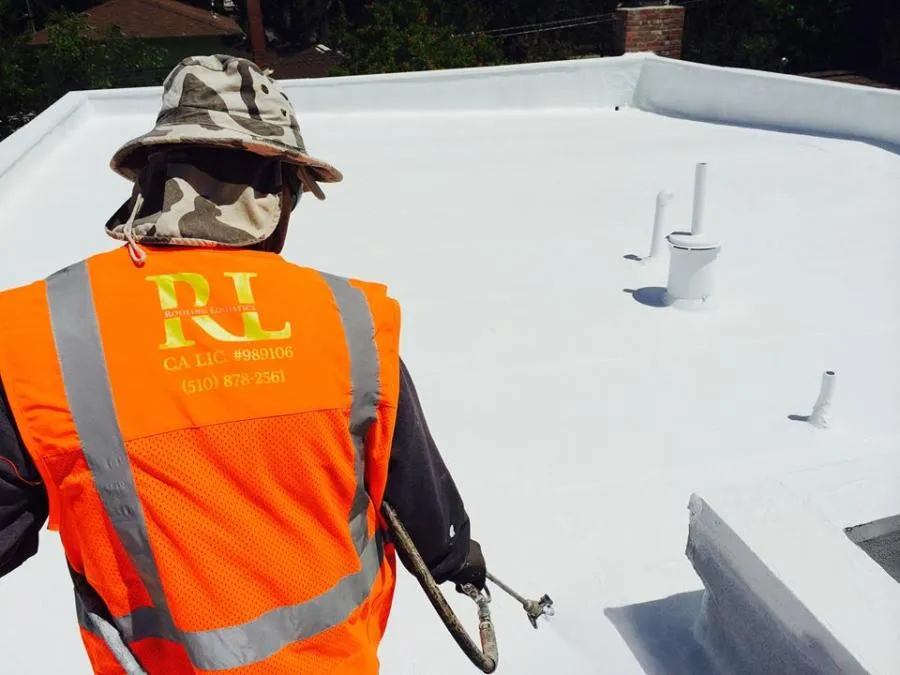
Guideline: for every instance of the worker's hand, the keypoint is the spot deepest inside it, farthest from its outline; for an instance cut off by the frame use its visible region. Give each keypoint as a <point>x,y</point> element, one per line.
<point>473,570</point>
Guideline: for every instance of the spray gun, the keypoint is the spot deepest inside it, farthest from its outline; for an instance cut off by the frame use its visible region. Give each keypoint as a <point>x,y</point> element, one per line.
<point>485,657</point>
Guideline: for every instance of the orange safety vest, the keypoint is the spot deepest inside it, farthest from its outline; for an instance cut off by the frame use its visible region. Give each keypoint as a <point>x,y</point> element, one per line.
<point>213,431</point>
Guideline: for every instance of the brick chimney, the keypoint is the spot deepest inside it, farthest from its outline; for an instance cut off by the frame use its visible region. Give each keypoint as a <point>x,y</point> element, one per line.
<point>650,26</point>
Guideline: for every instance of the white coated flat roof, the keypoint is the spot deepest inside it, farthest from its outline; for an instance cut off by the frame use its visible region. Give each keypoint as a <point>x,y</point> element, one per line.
<point>499,206</point>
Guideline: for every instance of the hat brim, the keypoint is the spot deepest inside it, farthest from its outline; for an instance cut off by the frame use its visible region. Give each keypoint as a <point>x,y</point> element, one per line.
<point>132,156</point>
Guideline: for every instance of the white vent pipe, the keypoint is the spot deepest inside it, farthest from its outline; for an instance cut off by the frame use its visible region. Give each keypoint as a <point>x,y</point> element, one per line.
<point>659,219</point>
<point>822,407</point>
<point>699,199</point>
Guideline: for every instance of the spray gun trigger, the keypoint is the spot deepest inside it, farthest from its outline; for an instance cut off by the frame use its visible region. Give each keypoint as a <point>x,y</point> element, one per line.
<point>479,596</point>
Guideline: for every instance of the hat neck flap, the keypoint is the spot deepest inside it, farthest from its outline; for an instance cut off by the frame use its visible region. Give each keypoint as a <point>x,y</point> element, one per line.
<point>203,200</point>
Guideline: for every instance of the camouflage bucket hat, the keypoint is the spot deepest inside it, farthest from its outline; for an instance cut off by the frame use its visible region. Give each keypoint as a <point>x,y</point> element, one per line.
<point>202,197</point>
<point>229,102</point>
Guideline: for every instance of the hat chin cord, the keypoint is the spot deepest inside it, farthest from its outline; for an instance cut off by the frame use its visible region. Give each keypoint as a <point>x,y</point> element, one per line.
<point>138,254</point>
<point>309,182</point>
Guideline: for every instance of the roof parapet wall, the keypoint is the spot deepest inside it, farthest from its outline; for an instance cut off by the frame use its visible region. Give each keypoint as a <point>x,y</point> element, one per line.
<point>643,81</point>
<point>768,101</point>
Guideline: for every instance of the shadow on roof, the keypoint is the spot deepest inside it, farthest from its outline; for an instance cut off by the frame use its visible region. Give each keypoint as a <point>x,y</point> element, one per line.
<point>660,635</point>
<point>651,296</point>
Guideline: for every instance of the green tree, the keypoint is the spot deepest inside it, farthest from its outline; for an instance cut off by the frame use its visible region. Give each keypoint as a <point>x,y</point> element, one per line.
<point>400,35</point>
<point>299,23</point>
<point>760,33</point>
<point>19,91</point>
<point>37,13</point>
<point>81,57</point>
<point>76,57</point>
<point>543,30</point>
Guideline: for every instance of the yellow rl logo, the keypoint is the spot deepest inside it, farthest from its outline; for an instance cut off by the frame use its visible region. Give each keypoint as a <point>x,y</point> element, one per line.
<point>200,315</point>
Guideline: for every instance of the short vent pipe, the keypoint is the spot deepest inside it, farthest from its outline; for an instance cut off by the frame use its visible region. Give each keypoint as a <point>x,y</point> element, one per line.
<point>659,220</point>
<point>822,409</point>
<point>693,256</point>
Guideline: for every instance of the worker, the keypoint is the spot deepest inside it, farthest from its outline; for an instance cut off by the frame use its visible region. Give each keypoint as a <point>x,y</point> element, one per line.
<point>211,429</point>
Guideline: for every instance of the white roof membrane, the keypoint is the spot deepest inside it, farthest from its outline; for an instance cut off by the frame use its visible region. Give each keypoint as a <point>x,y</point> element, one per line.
<point>500,205</point>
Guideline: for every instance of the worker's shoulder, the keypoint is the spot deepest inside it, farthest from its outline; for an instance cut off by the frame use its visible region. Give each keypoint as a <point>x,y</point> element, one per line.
<point>38,285</point>
<point>22,290</point>
<point>375,290</point>
<point>372,288</point>
<point>377,294</point>
<point>109,261</point>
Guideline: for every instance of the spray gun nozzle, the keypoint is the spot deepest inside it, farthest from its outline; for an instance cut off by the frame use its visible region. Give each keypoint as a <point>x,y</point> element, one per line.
<point>536,609</point>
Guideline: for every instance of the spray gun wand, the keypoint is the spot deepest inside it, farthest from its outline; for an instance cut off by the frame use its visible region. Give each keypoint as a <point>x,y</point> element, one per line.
<point>533,608</point>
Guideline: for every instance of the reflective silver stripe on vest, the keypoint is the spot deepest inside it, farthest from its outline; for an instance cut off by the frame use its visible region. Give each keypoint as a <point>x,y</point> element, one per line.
<point>96,624</point>
<point>359,328</point>
<point>80,351</point>
<point>255,640</point>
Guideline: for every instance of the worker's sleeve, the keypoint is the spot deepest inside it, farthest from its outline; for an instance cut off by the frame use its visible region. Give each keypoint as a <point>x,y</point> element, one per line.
<point>421,490</point>
<point>23,500</point>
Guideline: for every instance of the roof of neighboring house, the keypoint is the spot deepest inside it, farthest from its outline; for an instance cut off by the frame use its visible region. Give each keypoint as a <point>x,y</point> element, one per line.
<point>851,77</point>
<point>155,19</point>
<point>315,61</point>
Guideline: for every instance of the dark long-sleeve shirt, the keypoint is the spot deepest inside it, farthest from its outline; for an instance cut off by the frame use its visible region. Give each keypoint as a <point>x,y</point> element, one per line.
<point>419,487</point>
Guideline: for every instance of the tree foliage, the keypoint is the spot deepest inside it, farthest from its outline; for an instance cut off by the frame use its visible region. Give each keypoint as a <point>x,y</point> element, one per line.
<point>372,31</point>
<point>18,90</point>
<point>402,35</point>
<point>761,33</point>
<point>531,35</point>
<point>33,77</point>
<point>78,57</point>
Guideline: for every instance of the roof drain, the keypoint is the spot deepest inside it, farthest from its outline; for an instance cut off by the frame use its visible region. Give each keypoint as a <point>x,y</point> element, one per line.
<point>692,257</point>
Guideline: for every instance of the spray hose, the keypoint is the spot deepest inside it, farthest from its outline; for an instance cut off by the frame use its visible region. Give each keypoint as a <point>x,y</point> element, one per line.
<point>485,657</point>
